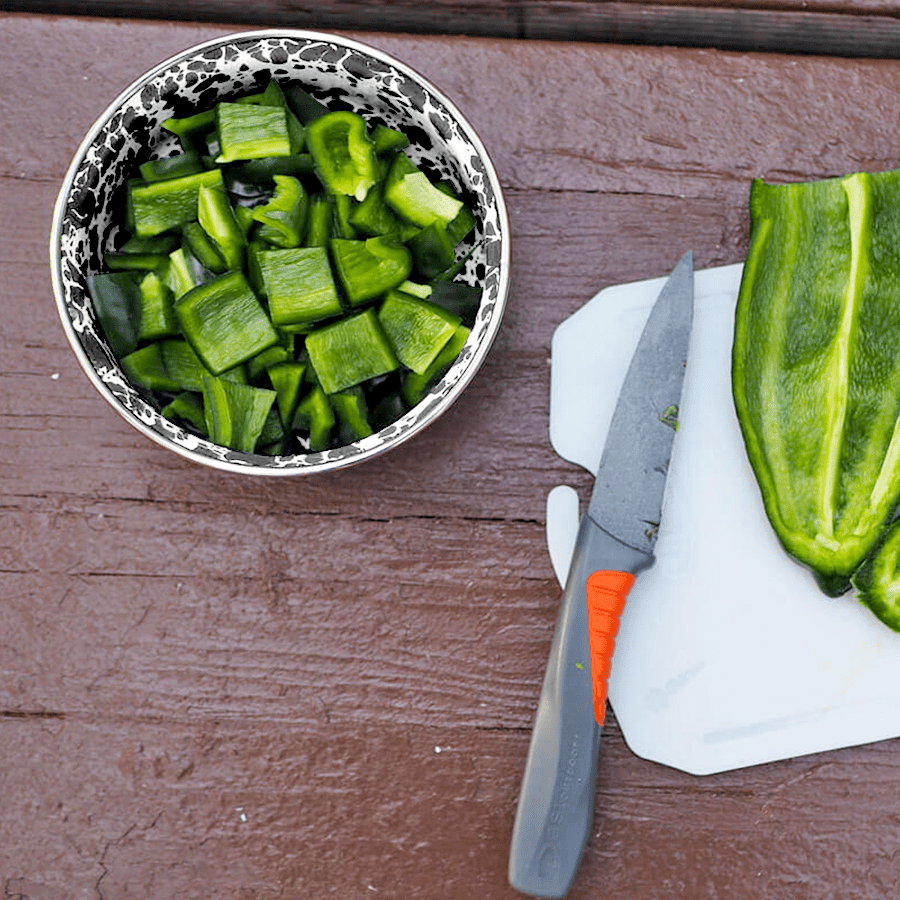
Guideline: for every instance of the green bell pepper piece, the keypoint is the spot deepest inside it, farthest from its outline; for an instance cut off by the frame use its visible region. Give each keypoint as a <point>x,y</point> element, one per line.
<point>166,365</point>
<point>187,407</point>
<point>299,285</point>
<point>117,261</point>
<point>146,367</point>
<point>287,379</point>
<point>369,268</point>
<point>342,152</point>
<point>166,205</point>
<point>463,223</point>
<point>158,245</point>
<point>315,416</point>
<point>350,351</point>
<point>235,413</point>
<point>457,297</point>
<point>422,291</point>
<point>352,415</point>
<point>304,105</point>
<point>815,368</point>
<point>432,251</point>
<point>283,219</point>
<point>258,365</point>
<point>251,131</point>
<point>116,299</point>
<point>260,172</point>
<point>182,364</point>
<point>225,322</point>
<point>187,163</point>
<point>373,216</point>
<point>417,329</point>
<point>202,248</point>
<point>410,193</point>
<point>318,221</point>
<point>342,207</point>
<point>191,129</point>
<point>416,386</point>
<point>387,139</point>
<point>183,272</point>
<point>158,319</point>
<point>217,219</point>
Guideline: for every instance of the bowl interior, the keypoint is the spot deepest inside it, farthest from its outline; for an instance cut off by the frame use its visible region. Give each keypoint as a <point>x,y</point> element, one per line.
<point>343,75</point>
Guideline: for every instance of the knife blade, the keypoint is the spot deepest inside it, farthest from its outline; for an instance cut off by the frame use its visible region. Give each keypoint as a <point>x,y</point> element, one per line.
<point>615,542</point>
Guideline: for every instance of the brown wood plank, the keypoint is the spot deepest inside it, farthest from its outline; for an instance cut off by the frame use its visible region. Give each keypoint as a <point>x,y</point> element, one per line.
<point>869,28</point>
<point>180,648</point>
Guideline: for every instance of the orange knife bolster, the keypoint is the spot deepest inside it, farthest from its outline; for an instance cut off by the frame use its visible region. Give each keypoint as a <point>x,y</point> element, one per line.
<point>606,595</point>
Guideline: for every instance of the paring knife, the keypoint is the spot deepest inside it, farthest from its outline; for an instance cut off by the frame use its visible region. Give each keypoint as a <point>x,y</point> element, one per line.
<point>615,542</point>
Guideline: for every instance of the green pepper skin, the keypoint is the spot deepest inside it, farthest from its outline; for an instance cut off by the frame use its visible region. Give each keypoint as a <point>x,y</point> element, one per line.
<point>878,579</point>
<point>815,368</point>
<point>282,221</point>
<point>370,268</point>
<point>343,153</point>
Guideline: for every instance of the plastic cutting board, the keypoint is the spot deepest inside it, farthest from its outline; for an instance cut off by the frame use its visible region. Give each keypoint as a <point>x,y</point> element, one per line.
<point>728,655</point>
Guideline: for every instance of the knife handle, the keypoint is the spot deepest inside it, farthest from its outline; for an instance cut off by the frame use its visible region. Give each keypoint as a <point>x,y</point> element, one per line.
<point>555,812</point>
<point>606,595</point>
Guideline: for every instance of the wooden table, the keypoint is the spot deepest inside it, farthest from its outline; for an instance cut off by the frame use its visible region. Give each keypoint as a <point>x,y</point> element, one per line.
<point>233,689</point>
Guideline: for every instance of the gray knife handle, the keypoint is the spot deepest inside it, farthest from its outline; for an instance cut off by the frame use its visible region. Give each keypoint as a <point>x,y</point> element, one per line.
<point>556,802</point>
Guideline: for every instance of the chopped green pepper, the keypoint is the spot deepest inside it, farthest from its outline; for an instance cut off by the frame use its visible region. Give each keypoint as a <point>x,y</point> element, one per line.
<point>183,272</point>
<point>190,130</point>
<point>299,285</point>
<point>158,245</point>
<point>350,351</point>
<point>283,218</point>
<point>234,278</point>
<point>165,205</point>
<point>287,379</point>
<point>316,417</point>
<point>258,365</point>
<point>235,413</point>
<point>146,366</point>
<point>116,299</point>
<point>187,407</point>
<point>416,329</point>
<point>369,268</point>
<point>188,163</point>
<point>457,297</point>
<point>200,245</point>
<point>387,139</point>
<point>416,386</point>
<point>352,414</point>
<point>251,131</point>
<point>409,192</point>
<point>217,219</point>
<point>158,318</point>
<point>224,322</point>
<point>343,154</point>
<point>318,221</point>
<point>432,250</point>
<point>304,105</point>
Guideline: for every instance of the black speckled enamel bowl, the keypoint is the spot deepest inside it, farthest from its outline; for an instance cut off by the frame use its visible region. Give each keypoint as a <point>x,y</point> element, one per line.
<point>343,74</point>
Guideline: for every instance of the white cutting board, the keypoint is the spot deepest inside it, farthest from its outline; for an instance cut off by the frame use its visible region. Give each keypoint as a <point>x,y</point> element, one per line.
<point>728,654</point>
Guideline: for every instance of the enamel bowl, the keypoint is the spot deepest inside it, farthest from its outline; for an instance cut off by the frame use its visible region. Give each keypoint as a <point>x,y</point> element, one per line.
<point>341,73</point>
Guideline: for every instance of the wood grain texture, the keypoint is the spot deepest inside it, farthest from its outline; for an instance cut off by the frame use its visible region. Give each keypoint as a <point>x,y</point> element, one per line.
<point>854,28</point>
<point>214,687</point>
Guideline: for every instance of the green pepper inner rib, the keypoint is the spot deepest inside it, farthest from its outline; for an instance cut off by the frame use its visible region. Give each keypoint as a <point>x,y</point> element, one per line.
<point>839,375</point>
